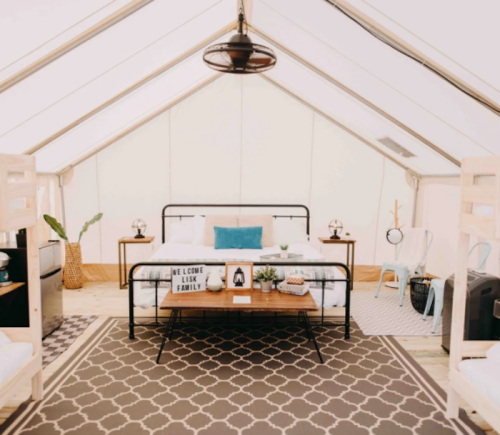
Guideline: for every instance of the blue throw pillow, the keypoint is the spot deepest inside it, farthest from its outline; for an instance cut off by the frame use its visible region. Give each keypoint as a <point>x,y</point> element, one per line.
<point>238,238</point>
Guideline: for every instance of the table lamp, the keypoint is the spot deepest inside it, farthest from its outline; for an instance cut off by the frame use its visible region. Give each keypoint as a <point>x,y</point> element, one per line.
<point>335,228</point>
<point>139,226</point>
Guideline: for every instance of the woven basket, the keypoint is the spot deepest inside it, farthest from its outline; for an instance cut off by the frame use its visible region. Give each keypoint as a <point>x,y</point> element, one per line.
<point>419,290</point>
<point>73,270</point>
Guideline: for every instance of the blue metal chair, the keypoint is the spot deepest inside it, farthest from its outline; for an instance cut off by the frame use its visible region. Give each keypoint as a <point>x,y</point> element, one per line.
<point>436,290</point>
<point>403,270</point>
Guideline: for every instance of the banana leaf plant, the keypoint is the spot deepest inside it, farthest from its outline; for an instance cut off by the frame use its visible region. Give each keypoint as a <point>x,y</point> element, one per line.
<point>59,229</point>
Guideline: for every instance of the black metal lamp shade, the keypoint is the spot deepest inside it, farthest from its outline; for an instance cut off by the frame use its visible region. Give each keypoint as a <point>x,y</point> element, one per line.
<point>139,227</point>
<point>335,228</point>
<point>240,55</point>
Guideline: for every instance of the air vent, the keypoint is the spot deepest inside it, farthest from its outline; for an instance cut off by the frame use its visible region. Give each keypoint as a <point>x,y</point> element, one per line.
<point>394,146</point>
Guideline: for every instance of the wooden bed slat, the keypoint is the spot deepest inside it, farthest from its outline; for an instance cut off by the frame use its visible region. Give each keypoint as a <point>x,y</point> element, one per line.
<point>480,226</point>
<point>479,194</point>
<point>17,181</point>
<point>476,349</point>
<point>481,165</point>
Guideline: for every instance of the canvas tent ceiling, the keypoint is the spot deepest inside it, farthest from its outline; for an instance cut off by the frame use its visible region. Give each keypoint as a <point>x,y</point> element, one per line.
<point>147,61</point>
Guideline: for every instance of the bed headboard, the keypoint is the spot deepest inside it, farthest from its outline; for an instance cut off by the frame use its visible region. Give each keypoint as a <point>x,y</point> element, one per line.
<point>306,216</point>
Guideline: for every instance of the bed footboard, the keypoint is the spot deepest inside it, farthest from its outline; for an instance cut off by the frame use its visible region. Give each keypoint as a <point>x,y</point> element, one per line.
<point>323,320</point>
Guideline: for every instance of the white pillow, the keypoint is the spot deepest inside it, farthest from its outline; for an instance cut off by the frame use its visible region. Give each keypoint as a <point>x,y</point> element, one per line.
<point>288,231</point>
<point>181,232</point>
<point>198,230</point>
<point>4,339</point>
<point>493,353</point>
<point>259,220</point>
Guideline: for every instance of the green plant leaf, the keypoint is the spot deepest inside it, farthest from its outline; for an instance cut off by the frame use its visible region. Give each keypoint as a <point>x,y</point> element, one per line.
<point>56,226</point>
<point>95,219</point>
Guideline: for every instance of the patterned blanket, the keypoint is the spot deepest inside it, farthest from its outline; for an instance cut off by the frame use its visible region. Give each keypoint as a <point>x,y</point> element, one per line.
<point>309,272</point>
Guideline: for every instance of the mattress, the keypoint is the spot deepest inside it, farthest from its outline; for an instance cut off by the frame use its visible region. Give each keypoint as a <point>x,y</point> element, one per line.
<point>144,295</point>
<point>484,373</point>
<point>12,357</point>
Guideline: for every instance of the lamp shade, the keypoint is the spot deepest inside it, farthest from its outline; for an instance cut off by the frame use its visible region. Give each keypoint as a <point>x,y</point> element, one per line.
<point>335,226</point>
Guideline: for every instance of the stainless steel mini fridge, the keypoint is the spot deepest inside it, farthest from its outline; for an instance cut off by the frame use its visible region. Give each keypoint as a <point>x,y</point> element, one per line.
<point>51,286</point>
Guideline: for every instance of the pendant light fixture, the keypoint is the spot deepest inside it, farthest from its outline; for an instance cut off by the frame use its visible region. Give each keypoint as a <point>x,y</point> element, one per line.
<point>240,55</point>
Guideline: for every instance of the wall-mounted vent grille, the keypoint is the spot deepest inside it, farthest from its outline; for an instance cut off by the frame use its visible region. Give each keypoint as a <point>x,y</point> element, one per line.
<point>394,146</point>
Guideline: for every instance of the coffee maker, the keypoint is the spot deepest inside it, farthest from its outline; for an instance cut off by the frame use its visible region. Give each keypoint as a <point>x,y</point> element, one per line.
<point>4,272</point>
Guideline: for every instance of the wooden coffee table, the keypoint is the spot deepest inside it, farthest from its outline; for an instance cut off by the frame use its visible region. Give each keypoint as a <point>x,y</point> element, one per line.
<point>223,301</point>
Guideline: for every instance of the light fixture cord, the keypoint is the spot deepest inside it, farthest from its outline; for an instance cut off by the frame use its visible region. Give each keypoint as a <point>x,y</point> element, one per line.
<point>242,12</point>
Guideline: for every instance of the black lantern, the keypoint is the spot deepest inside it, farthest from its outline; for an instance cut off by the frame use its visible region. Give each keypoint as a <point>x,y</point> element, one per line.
<point>239,278</point>
<point>239,55</point>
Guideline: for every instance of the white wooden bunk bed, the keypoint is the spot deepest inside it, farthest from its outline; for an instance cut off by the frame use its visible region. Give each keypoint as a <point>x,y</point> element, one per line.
<point>483,399</point>
<point>21,348</point>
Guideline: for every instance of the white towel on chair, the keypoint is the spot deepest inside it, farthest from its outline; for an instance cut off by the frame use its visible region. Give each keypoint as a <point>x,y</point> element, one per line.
<point>412,249</point>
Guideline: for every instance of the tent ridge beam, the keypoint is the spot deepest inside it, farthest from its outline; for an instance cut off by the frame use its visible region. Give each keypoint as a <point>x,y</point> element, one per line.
<point>360,15</point>
<point>97,28</point>
<point>140,123</point>
<point>340,124</point>
<point>358,97</point>
<point>164,68</point>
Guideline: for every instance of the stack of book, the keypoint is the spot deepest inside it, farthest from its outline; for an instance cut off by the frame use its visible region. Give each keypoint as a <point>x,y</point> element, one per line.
<point>293,289</point>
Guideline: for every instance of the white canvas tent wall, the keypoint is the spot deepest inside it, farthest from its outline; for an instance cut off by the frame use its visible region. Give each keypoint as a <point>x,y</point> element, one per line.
<point>148,58</point>
<point>221,144</point>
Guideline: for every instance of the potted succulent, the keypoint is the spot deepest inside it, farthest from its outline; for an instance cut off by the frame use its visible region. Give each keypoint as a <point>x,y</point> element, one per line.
<point>21,238</point>
<point>266,275</point>
<point>284,251</point>
<point>348,236</point>
<point>73,269</point>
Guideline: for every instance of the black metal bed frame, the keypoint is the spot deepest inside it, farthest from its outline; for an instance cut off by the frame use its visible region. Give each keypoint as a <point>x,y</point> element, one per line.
<point>178,314</point>
<point>164,216</point>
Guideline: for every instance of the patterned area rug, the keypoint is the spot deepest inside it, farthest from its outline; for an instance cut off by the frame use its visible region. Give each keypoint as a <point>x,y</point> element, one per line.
<point>384,316</point>
<point>57,342</point>
<point>259,380</point>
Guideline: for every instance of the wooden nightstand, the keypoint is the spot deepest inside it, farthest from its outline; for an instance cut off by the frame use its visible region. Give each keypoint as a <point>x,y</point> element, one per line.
<point>123,242</point>
<point>350,252</point>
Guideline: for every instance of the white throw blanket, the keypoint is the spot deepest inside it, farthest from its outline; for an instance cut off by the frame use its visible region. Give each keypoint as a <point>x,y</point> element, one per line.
<point>412,250</point>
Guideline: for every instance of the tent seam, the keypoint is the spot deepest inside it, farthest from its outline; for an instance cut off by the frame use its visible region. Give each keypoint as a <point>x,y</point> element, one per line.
<point>378,78</point>
<point>311,160</point>
<point>378,212</point>
<point>57,36</point>
<point>98,203</point>
<point>106,72</point>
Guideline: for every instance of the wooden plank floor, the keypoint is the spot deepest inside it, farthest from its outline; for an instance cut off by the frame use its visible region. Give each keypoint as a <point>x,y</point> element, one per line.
<point>107,300</point>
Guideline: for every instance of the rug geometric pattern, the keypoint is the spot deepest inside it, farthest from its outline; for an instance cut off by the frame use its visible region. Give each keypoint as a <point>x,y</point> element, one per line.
<point>59,340</point>
<point>384,316</point>
<point>255,380</point>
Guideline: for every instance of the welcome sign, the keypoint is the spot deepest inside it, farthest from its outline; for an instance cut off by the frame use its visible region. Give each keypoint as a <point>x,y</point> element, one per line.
<point>189,279</point>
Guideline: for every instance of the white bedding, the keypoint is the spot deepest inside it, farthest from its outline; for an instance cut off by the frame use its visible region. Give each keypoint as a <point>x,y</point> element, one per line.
<point>484,373</point>
<point>145,297</point>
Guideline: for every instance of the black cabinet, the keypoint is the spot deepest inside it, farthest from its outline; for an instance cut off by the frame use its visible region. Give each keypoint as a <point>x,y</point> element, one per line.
<point>14,309</point>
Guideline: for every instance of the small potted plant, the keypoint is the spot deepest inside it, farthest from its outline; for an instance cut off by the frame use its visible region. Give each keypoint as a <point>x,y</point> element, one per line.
<point>284,251</point>
<point>348,236</point>
<point>73,268</point>
<point>266,276</point>
<point>21,238</point>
